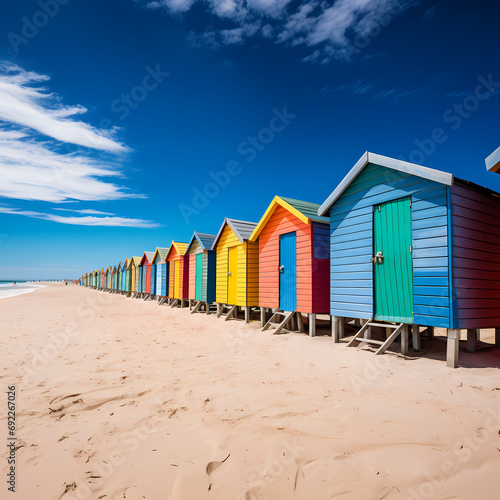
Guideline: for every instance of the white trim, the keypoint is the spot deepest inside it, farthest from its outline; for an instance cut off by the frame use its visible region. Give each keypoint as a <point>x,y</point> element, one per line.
<point>384,161</point>
<point>493,159</point>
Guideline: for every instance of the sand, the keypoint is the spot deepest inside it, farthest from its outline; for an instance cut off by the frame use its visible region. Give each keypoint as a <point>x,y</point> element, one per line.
<point>122,398</point>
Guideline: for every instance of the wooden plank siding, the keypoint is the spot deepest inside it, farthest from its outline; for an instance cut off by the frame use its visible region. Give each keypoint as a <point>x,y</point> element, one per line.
<point>351,244</point>
<point>248,270</point>
<point>476,257</point>
<point>172,257</point>
<point>282,222</point>
<point>194,249</point>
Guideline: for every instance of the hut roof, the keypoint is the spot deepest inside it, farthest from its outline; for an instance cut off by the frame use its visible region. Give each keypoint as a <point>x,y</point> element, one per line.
<point>205,240</point>
<point>242,229</point>
<point>493,161</point>
<point>148,255</point>
<point>384,161</point>
<point>162,252</point>
<point>180,247</point>
<point>305,211</point>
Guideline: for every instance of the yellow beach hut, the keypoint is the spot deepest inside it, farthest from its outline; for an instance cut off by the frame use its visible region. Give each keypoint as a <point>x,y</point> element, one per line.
<point>237,276</point>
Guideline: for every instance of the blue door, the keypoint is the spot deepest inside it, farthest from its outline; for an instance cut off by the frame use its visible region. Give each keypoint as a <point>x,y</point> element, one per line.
<point>158,279</point>
<point>164,280</point>
<point>288,272</point>
<point>153,279</point>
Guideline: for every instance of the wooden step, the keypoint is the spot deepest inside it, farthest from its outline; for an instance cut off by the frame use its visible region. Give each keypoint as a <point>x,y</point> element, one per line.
<point>384,325</point>
<point>370,341</point>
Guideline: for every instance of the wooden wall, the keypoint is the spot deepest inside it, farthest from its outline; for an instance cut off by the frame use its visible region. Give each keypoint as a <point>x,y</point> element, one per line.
<point>248,269</point>
<point>476,257</point>
<point>351,244</point>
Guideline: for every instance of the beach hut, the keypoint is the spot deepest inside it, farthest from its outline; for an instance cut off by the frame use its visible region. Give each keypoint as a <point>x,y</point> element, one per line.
<point>103,279</point>
<point>128,276</point>
<point>145,265</point>
<point>413,246</point>
<point>107,274</point>
<point>294,260</point>
<point>96,278</point>
<point>113,279</point>
<point>237,264</point>
<point>202,270</point>
<point>134,279</point>
<point>178,272</point>
<point>119,276</point>
<point>124,277</point>
<point>160,267</point>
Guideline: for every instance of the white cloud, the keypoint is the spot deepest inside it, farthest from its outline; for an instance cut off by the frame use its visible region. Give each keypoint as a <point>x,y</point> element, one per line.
<point>32,107</point>
<point>85,211</point>
<point>30,170</point>
<point>83,221</point>
<point>333,30</point>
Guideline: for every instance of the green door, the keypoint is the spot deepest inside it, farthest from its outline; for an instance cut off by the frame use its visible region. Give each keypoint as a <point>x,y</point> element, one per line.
<point>393,273</point>
<point>199,276</point>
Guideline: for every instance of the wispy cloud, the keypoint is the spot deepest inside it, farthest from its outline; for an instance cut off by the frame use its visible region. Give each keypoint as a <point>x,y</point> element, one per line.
<point>84,211</point>
<point>361,86</point>
<point>83,221</point>
<point>330,29</point>
<point>32,107</point>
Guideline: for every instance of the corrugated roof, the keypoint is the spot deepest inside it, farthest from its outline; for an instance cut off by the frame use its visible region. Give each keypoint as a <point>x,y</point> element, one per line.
<point>162,252</point>
<point>180,247</point>
<point>149,256</point>
<point>205,240</point>
<point>242,229</point>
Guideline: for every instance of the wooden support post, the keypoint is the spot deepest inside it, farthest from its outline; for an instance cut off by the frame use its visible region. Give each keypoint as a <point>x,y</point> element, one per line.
<point>263,316</point>
<point>415,334</point>
<point>497,337</point>
<point>478,334</point>
<point>404,340</point>
<point>368,333</point>
<point>452,347</point>
<point>335,329</point>
<point>471,339</point>
<point>430,333</point>
<point>183,303</point>
<point>300,322</point>
<point>247,315</point>
<point>312,325</point>
<point>207,308</point>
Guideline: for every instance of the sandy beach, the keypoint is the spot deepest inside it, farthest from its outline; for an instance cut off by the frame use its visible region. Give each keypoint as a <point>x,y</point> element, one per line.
<point>122,398</point>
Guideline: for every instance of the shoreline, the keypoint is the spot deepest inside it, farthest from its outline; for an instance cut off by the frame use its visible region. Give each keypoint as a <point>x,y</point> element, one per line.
<point>7,292</point>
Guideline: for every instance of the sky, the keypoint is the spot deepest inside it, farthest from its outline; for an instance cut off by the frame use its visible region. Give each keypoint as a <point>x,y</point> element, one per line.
<point>127,124</point>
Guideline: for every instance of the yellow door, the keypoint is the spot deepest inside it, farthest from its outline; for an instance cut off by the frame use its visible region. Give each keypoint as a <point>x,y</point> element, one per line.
<point>176,279</point>
<point>232,275</point>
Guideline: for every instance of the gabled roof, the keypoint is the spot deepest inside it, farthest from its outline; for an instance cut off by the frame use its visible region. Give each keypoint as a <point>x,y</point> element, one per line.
<point>384,161</point>
<point>162,252</point>
<point>135,260</point>
<point>119,266</point>
<point>305,211</point>
<point>113,269</point>
<point>242,229</point>
<point>128,263</point>
<point>148,255</point>
<point>205,240</point>
<point>180,247</point>
<point>493,161</point>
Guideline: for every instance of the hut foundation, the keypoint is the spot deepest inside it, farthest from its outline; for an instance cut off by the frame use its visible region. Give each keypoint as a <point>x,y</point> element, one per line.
<point>312,325</point>
<point>452,346</point>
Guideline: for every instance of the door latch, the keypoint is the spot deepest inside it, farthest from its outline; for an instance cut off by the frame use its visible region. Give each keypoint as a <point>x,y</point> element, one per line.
<point>282,269</point>
<point>229,273</point>
<point>378,259</point>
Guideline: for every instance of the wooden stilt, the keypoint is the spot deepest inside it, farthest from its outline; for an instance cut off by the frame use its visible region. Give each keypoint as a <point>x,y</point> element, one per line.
<point>183,303</point>
<point>335,329</point>
<point>368,333</point>
<point>196,307</point>
<point>312,325</point>
<point>497,337</point>
<point>404,340</point>
<point>247,315</point>
<point>452,348</point>
<point>232,312</point>
<point>300,322</point>
<point>263,316</point>
<point>471,340</point>
<point>415,334</point>
<point>219,309</point>
<point>207,308</point>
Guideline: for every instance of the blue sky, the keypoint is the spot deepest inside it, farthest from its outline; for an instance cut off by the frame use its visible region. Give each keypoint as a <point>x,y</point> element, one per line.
<point>116,115</point>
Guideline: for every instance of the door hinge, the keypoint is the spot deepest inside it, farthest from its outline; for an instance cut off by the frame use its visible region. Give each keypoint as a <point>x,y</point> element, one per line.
<point>410,202</point>
<point>411,249</point>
